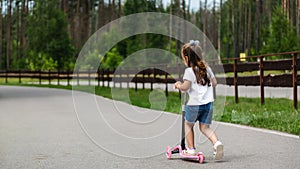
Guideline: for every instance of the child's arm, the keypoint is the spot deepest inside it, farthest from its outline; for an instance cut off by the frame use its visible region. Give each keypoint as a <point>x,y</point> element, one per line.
<point>212,77</point>
<point>183,86</point>
<point>214,81</point>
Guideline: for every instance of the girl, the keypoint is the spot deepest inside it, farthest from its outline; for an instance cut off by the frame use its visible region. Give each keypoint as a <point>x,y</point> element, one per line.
<point>198,80</point>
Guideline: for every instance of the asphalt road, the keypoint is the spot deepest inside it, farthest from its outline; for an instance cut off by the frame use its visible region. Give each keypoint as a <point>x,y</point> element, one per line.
<point>51,128</point>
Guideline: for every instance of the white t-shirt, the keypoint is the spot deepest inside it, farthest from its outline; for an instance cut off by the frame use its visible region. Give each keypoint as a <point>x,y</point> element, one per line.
<point>198,94</point>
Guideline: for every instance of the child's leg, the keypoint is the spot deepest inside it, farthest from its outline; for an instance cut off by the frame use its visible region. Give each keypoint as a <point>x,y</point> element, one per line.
<point>208,132</point>
<point>217,145</point>
<point>189,134</point>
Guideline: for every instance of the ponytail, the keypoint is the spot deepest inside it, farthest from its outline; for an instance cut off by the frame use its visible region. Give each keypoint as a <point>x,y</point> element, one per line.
<point>195,60</point>
<point>201,73</point>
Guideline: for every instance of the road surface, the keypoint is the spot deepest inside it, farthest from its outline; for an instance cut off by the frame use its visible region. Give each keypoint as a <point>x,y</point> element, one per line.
<point>52,128</point>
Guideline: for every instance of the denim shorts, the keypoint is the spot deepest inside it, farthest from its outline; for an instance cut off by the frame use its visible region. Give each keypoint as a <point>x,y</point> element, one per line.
<point>201,113</point>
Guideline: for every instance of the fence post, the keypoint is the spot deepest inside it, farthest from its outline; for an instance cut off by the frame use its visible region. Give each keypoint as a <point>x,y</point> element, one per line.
<point>143,79</point>
<point>49,77</point>
<point>214,87</point>
<point>58,77</point>
<point>40,76</point>
<point>102,77</point>
<point>20,81</point>
<point>89,76</point>
<point>294,67</point>
<point>107,76</point>
<point>6,74</point>
<point>77,77</point>
<point>114,79</point>
<point>166,81</point>
<point>98,76</point>
<point>261,80</point>
<point>236,94</point>
<point>121,78</point>
<point>68,77</point>
<point>152,79</point>
<point>179,77</point>
<point>127,78</point>
<point>135,81</point>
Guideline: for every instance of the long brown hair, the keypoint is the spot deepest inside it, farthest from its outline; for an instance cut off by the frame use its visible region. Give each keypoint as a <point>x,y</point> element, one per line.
<point>193,52</point>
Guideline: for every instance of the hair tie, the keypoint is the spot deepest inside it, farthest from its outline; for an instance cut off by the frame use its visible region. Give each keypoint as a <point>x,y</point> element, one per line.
<point>194,42</point>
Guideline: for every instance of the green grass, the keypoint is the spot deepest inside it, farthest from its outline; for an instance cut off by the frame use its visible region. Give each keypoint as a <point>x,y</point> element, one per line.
<point>275,114</point>
<point>256,73</point>
<point>16,80</point>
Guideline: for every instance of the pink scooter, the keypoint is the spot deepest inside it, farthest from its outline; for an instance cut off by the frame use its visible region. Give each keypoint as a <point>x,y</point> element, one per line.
<point>179,148</point>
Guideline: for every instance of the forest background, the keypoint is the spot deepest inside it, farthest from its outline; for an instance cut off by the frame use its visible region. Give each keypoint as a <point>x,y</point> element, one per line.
<point>48,35</point>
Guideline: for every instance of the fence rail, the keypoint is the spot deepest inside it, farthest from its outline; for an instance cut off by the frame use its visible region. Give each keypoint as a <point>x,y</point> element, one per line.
<point>166,75</point>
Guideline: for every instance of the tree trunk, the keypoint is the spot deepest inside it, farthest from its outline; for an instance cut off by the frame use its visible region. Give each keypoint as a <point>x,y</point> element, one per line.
<point>219,33</point>
<point>249,36</point>
<point>269,8</point>
<point>65,9</point>
<point>177,10</point>
<point>101,14</point>
<point>1,54</point>
<point>240,28</point>
<point>110,11</point>
<point>233,28</point>
<point>284,7</point>
<point>17,18</point>
<point>288,11</point>
<point>245,25</point>
<point>119,9</point>
<point>72,15</point>
<point>183,9</point>
<point>22,29</point>
<point>228,30</point>
<point>214,37</point>
<point>205,17</point>
<point>184,17</point>
<point>8,36</point>
<point>77,25</point>
<point>84,27</point>
<point>298,20</point>
<point>258,25</point>
<point>66,6</point>
<point>93,17</point>
<point>113,10</point>
<point>170,27</point>
<point>200,11</point>
<point>293,13</point>
<point>189,11</point>
<point>205,24</point>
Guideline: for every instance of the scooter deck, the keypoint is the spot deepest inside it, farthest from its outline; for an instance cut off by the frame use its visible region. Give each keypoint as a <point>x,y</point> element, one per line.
<point>177,149</point>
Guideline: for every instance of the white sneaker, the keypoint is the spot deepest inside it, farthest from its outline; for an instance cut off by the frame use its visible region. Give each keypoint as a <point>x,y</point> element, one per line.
<point>191,152</point>
<point>218,150</point>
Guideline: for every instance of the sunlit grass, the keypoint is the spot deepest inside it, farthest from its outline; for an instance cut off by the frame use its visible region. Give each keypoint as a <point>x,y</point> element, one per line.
<point>275,114</point>
<point>256,73</point>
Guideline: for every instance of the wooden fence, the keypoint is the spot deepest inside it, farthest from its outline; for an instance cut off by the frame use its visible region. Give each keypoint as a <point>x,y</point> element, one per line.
<point>287,79</point>
<point>166,75</point>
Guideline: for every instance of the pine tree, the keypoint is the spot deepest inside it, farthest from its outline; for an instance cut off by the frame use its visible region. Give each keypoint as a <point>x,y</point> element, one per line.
<point>8,35</point>
<point>47,36</point>
<point>1,54</point>
<point>282,36</point>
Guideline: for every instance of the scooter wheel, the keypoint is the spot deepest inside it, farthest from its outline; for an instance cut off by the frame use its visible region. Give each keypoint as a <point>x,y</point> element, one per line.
<point>201,159</point>
<point>169,153</point>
